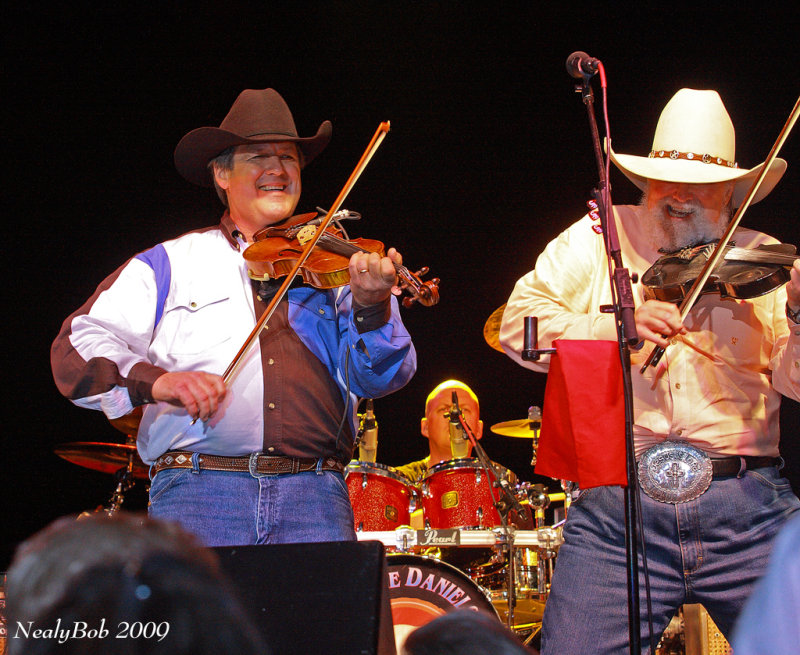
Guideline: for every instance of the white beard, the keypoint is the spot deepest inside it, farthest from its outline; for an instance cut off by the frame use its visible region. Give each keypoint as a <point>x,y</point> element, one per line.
<point>670,235</point>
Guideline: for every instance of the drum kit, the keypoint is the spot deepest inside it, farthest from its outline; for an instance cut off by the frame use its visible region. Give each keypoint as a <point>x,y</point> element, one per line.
<point>453,541</point>
<point>451,544</point>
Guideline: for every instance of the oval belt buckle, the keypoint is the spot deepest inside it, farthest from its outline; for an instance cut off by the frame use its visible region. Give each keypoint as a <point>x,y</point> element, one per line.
<point>674,472</point>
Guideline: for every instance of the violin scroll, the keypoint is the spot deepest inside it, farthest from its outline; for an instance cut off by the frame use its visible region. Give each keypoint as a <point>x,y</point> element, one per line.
<point>425,293</point>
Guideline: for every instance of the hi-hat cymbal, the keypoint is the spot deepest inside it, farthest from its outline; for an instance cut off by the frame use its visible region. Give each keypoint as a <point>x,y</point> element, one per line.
<point>491,329</point>
<point>103,457</point>
<point>522,428</point>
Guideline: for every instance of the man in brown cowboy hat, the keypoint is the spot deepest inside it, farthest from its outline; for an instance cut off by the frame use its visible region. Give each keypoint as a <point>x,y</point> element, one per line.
<point>713,399</point>
<point>259,460</point>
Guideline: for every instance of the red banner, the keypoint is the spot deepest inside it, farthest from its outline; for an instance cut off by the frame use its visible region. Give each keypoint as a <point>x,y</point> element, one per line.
<point>583,424</point>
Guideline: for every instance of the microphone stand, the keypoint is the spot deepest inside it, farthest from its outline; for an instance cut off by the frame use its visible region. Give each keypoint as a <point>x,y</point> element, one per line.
<point>507,501</point>
<point>623,309</point>
<point>504,504</point>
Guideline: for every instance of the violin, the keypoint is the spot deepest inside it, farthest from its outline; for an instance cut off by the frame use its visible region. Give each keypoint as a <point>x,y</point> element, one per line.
<point>276,250</point>
<point>715,258</point>
<point>742,273</point>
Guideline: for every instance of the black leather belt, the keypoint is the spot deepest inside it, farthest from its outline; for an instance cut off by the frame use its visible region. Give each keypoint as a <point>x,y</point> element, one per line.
<point>728,466</point>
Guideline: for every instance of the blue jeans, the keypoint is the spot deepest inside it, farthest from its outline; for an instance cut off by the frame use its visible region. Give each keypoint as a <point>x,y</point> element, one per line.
<point>710,550</point>
<point>235,508</point>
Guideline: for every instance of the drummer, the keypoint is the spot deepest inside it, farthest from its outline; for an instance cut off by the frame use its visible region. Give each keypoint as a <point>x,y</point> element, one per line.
<point>435,427</point>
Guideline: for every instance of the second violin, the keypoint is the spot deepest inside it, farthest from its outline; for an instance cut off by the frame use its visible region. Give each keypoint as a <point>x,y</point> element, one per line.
<point>743,272</point>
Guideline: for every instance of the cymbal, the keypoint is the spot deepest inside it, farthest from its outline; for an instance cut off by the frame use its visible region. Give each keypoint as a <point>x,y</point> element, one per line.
<point>520,428</point>
<point>491,329</point>
<point>128,424</point>
<point>103,457</point>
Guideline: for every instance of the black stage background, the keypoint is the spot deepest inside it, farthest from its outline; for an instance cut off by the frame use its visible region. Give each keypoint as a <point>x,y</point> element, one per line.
<point>489,157</point>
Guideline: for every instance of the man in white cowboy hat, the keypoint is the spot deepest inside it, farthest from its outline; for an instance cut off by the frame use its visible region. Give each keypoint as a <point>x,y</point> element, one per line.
<point>713,399</point>
<point>261,459</point>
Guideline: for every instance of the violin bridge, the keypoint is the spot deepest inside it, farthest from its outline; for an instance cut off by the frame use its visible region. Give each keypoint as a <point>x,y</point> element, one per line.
<point>306,233</point>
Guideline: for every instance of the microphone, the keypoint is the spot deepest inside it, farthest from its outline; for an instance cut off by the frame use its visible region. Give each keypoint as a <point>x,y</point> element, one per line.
<point>581,65</point>
<point>368,446</point>
<point>459,444</point>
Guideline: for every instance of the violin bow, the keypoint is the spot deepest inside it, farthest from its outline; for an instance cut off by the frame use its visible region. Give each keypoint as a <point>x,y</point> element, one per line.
<point>372,147</point>
<point>719,250</point>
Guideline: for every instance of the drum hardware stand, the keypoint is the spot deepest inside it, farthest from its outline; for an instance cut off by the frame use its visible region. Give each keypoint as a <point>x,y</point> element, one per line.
<point>125,482</point>
<point>405,538</point>
<point>545,555</point>
<point>567,486</point>
<point>535,418</point>
<point>545,561</point>
<point>539,500</point>
<point>627,337</point>
<point>535,631</point>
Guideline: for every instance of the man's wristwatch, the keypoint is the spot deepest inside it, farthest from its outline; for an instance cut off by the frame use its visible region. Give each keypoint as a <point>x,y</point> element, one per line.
<point>793,316</point>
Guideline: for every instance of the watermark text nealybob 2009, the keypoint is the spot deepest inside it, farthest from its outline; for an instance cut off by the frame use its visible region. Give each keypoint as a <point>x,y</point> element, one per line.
<point>64,632</point>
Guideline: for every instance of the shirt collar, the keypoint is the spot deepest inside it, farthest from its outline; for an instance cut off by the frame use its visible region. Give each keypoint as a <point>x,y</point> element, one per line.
<point>231,232</point>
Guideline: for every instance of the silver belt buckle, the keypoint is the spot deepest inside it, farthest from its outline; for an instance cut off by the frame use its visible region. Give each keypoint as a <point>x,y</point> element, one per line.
<point>674,472</point>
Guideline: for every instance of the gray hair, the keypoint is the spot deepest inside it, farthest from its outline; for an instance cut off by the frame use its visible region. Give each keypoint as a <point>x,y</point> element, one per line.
<point>224,162</point>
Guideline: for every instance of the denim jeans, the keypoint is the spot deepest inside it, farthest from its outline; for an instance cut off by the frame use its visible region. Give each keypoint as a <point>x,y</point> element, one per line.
<point>710,550</point>
<point>235,508</point>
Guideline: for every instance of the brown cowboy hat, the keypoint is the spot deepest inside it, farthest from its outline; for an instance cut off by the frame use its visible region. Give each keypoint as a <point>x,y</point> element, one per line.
<point>257,116</point>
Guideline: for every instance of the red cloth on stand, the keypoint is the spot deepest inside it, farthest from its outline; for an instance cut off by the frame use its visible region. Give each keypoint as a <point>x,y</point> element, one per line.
<point>582,437</point>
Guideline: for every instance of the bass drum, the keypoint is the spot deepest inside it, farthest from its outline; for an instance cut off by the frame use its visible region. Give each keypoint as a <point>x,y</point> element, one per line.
<point>422,588</point>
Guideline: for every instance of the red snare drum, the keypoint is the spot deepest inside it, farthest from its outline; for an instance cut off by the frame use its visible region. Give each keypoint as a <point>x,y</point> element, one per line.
<point>421,588</point>
<point>382,498</point>
<point>458,494</point>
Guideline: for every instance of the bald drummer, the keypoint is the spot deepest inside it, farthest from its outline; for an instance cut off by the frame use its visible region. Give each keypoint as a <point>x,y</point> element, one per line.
<point>435,427</point>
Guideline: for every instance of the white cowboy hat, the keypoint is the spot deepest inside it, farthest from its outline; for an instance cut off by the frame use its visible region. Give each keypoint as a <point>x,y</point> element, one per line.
<point>695,143</point>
